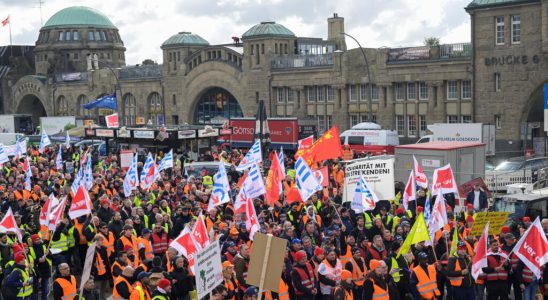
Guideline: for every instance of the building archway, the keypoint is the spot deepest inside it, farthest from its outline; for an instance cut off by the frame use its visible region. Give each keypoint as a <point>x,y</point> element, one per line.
<point>32,105</point>
<point>532,122</point>
<point>215,106</point>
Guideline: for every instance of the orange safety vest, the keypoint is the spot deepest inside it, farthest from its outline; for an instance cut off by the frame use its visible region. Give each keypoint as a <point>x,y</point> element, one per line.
<point>347,257</point>
<point>148,247</point>
<point>378,292</point>
<point>427,286</point>
<point>169,267</point>
<point>331,272</point>
<point>79,227</point>
<point>456,281</point>
<point>492,263</point>
<point>108,243</point>
<point>44,233</point>
<point>69,288</point>
<point>132,243</point>
<point>139,292</point>
<point>115,294</point>
<point>232,286</point>
<point>115,264</point>
<point>358,276</point>
<point>283,292</point>
<point>100,265</point>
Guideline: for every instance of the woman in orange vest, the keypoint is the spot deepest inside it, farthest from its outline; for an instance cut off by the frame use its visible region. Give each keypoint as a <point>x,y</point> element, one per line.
<point>424,278</point>
<point>376,285</point>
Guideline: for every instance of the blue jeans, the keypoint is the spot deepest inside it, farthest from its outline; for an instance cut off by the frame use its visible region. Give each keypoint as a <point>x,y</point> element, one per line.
<point>530,291</point>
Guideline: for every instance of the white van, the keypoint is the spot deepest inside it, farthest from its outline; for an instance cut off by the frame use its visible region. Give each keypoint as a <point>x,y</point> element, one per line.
<point>370,138</point>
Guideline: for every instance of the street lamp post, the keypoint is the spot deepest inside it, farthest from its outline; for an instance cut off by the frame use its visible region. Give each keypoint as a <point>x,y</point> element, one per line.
<point>370,100</point>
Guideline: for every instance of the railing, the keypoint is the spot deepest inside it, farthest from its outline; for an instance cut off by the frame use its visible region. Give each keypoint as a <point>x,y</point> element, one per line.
<point>441,52</point>
<point>137,72</point>
<point>302,61</point>
<point>497,181</point>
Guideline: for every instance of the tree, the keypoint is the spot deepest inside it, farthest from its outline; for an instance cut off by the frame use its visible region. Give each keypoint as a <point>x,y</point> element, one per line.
<point>432,41</point>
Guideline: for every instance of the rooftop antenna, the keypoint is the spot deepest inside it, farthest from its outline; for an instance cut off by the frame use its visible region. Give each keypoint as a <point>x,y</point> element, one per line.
<point>40,2</point>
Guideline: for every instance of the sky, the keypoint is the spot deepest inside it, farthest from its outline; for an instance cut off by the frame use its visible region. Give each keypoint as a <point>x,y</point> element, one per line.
<point>145,25</point>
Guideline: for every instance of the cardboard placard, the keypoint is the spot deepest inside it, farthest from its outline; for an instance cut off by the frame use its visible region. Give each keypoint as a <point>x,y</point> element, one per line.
<point>266,263</point>
<point>496,221</point>
<point>208,267</point>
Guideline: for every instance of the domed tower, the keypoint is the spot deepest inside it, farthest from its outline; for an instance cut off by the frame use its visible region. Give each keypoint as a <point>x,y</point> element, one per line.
<point>178,47</point>
<point>72,37</point>
<point>265,40</point>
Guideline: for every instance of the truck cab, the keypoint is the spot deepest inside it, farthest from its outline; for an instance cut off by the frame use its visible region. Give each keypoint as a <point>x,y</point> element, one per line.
<point>370,138</point>
<point>532,204</point>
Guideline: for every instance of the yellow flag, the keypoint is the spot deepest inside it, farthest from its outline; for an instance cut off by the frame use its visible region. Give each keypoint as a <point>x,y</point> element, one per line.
<point>454,242</point>
<point>418,233</point>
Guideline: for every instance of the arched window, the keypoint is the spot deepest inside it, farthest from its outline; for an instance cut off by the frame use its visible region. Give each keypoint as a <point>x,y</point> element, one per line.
<point>216,106</point>
<point>130,109</point>
<point>155,108</point>
<point>83,99</point>
<point>62,106</point>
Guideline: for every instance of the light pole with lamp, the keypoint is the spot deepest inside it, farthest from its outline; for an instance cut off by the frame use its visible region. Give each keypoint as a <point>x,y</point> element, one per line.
<point>370,102</point>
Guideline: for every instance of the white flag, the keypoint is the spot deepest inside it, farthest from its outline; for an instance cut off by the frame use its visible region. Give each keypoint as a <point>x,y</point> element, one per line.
<point>438,218</point>
<point>146,167</point>
<point>420,177</point>
<point>364,197</point>
<point>221,186</point>
<point>532,248</point>
<point>44,141</point>
<point>3,154</point>
<point>254,183</point>
<point>307,183</point>
<point>131,180</point>
<point>67,141</point>
<point>59,161</point>
<point>88,175</point>
<point>166,162</point>
<point>252,157</point>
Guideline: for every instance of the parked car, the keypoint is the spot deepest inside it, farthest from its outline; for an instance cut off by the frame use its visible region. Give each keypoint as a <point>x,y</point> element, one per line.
<point>517,170</point>
<point>195,168</point>
<point>94,143</point>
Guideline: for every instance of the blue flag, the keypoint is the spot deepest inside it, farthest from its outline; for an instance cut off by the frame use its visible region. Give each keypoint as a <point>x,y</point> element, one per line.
<point>108,101</point>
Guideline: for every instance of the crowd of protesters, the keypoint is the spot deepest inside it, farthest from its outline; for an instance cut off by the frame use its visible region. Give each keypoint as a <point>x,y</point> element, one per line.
<point>333,252</point>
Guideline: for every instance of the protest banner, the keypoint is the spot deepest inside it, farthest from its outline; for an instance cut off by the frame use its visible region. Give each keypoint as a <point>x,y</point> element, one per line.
<point>209,270</point>
<point>87,267</point>
<point>266,263</point>
<point>468,186</point>
<point>126,157</point>
<point>379,174</point>
<point>495,219</point>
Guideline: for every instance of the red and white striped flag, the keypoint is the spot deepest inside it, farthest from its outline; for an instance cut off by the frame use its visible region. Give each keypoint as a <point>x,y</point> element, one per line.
<point>51,202</point>
<point>81,203</point>
<point>480,259</point>
<point>56,214</point>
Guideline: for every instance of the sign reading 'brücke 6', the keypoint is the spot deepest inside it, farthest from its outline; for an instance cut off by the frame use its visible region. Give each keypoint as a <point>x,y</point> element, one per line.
<point>511,60</point>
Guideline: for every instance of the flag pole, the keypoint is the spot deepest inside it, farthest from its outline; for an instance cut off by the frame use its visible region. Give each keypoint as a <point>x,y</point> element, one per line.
<point>11,45</point>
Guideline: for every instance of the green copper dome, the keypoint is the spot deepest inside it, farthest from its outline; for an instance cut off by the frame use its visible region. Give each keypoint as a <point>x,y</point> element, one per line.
<point>79,16</point>
<point>184,39</point>
<point>268,29</point>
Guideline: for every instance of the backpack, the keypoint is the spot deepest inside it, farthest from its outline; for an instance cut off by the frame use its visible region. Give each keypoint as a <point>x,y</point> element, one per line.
<point>8,293</point>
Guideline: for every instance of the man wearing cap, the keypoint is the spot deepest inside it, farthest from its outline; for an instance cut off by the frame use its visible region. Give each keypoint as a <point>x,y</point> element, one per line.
<point>162,291</point>
<point>123,285</point>
<point>231,252</point>
<point>64,287</point>
<point>19,278</point>
<point>108,240</point>
<point>357,269</point>
<point>424,278</point>
<point>296,246</point>
<point>231,283</point>
<point>496,272</point>
<point>303,278</point>
<point>329,273</point>
<point>344,290</point>
<point>514,275</point>
<point>141,287</point>
<point>42,265</point>
<point>459,274</point>
<point>181,281</point>
<point>251,293</point>
<point>478,198</point>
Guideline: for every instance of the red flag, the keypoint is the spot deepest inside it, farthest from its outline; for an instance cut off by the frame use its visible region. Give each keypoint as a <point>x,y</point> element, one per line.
<point>185,245</point>
<point>443,179</point>
<point>26,164</point>
<point>240,202</point>
<point>532,248</point>
<point>326,147</point>
<point>112,120</point>
<point>306,142</point>
<point>420,177</point>
<point>480,259</point>
<point>8,224</point>
<point>199,233</point>
<point>322,175</point>
<point>81,203</point>
<point>410,192</point>
<point>273,181</point>
<point>57,214</point>
<point>251,220</point>
<point>293,195</point>
<point>6,21</point>
<point>47,208</point>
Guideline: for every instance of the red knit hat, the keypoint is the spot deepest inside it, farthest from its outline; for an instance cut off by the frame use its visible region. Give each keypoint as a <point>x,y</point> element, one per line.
<point>19,258</point>
<point>127,248</point>
<point>318,251</point>
<point>300,255</point>
<point>470,206</point>
<point>420,209</point>
<point>399,211</point>
<point>526,219</point>
<point>163,283</point>
<point>34,237</point>
<point>505,229</point>
<point>16,248</point>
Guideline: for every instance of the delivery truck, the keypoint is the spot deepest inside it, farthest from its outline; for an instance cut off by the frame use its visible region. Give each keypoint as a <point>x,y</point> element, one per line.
<point>462,132</point>
<point>370,138</point>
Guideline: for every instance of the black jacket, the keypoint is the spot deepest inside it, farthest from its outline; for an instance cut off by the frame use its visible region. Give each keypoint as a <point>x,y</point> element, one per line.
<point>482,199</point>
<point>183,284</point>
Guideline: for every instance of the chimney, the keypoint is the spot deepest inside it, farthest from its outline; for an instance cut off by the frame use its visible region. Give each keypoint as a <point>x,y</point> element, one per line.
<point>335,27</point>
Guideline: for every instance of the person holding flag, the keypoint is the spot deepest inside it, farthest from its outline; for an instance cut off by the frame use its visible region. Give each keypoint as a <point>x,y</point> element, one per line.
<point>496,272</point>
<point>459,273</point>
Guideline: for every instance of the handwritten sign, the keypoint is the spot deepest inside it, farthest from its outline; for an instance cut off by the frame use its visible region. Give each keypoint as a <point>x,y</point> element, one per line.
<point>496,221</point>
<point>208,267</point>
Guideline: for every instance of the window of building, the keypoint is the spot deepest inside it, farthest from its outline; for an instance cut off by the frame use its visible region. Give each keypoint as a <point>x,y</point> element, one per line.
<point>311,93</point>
<point>280,95</point>
<point>363,118</point>
<point>423,91</point>
<point>155,108</point>
<point>330,94</point>
<point>354,120</point>
<point>174,99</point>
<point>364,92</point>
<point>262,48</point>
<point>411,91</point>
<point>466,119</point>
<point>130,109</point>
<point>76,56</point>
<point>103,36</point>
<point>498,124</point>
<point>422,125</point>
<point>328,122</point>
<point>400,125</point>
<point>83,99</point>
<point>398,89</point>
<point>516,29</point>
<point>452,93</point>
<point>251,50</point>
<point>75,35</point>
<point>67,35</point>
<point>290,95</point>
<point>90,35</point>
<point>411,126</point>
<point>452,119</point>
<point>499,30</point>
<point>62,106</point>
<point>375,90</point>
<point>175,120</point>
<point>258,57</point>
<point>498,82</point>
<point>466,89</point>
<point>321,124</point>
<point>275,48</point>
<point>97,36</point>
<point>353,92</point>
<point>61,35</point>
